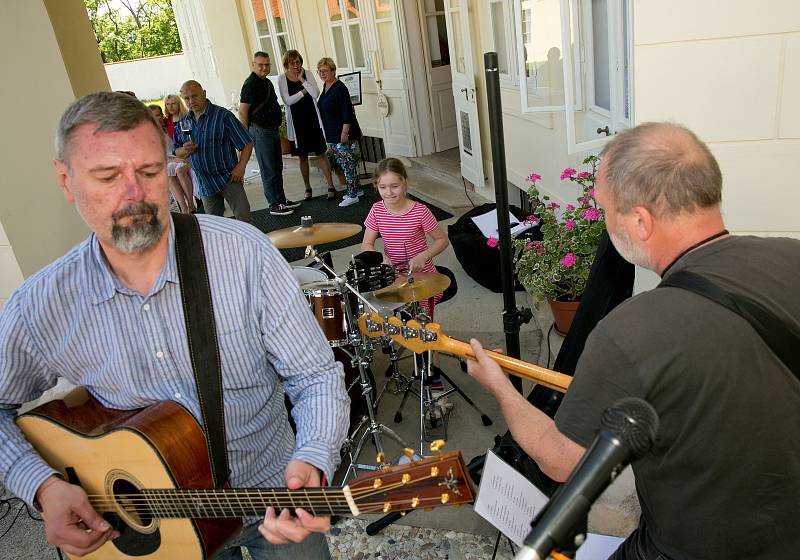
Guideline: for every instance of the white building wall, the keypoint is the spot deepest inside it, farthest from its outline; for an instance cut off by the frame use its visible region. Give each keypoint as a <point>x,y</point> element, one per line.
<point>10,274</point>
<point>730,71</point>
<point>150,78</point>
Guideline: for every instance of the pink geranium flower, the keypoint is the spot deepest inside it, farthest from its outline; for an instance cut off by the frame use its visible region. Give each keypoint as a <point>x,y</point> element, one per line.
<point>533,177</point>
<point>584,201</point>
<point>539,248</point>
<point>583,175</point>
<point>590,193</point>
<point>569,225</point>
<point>570,207</point>
<point>531,220</point>
<point>591,214</point>
<point>569,260</point>
<point>554,205</point>
<point>492,242</point>
<point>529,246</point>
<point>567,173</point>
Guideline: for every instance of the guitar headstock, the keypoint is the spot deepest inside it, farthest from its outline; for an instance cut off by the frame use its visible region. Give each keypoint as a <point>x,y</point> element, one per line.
<point>428,483</point>
<point>410,334</point>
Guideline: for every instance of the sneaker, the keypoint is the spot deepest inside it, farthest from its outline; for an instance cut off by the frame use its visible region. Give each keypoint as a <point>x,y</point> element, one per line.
<point>280,210</point>
<point>290,204</point>
<point>348,201</point>
<point>360,192</point>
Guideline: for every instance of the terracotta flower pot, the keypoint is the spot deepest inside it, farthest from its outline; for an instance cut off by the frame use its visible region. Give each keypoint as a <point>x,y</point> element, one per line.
<point>563,314</point>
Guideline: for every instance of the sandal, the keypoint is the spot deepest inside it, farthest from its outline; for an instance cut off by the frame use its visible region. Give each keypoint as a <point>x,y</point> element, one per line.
<point>331,193</point>
<point>309,194</point>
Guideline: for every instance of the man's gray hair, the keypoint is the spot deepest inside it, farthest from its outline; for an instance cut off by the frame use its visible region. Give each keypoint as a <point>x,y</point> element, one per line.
<point>663,167</point>
<point>109,111</point>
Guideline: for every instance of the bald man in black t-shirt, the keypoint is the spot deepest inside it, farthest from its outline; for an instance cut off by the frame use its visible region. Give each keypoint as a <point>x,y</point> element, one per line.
<point>722,480</point>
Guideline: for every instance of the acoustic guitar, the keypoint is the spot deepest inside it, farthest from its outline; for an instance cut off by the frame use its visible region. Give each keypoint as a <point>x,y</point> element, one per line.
<point>147,473</point>
<point>420,338</point>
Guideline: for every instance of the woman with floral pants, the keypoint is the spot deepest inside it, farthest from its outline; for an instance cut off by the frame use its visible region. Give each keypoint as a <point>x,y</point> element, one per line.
<point>341,126</point>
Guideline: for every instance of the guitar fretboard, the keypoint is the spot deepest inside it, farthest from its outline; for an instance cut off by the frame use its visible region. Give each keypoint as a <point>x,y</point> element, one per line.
<point>225,502</point>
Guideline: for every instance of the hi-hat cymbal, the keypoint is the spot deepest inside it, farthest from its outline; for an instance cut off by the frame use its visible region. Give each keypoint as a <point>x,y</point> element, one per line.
<point>316,234</point>
<point>425,285</point>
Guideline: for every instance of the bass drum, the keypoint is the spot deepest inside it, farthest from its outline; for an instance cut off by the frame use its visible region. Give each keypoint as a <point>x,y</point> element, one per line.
<point>358,403</point>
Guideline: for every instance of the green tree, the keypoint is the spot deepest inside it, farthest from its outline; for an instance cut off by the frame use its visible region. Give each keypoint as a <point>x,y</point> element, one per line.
<point>129,29</point>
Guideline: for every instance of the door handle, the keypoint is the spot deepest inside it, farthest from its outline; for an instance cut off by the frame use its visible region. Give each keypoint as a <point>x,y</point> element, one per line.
<point>604,129</point>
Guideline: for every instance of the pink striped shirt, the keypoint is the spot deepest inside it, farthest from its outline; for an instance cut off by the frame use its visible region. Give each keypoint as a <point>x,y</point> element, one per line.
<point>403,234</point>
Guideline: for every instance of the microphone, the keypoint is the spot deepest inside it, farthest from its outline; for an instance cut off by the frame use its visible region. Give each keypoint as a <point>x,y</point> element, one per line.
<point>627,431</point>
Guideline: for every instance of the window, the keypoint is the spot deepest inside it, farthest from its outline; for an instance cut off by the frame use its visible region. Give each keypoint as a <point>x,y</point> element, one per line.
<point>502,32</point>
<point>272,30</point>
<point>345,24</point>
<point>575,55</point>
<point>389,51</point>
<point>436,27</point>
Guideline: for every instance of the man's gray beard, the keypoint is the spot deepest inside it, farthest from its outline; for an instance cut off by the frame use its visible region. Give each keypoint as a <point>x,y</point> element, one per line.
<point>629,251</point>
<point>140,235</point>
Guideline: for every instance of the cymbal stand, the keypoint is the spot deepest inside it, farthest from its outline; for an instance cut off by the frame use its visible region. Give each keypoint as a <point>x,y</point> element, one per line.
<point>369,426</point>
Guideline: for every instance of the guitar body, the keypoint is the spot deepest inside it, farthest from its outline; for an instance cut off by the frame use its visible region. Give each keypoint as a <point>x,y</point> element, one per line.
<point>114,453</point>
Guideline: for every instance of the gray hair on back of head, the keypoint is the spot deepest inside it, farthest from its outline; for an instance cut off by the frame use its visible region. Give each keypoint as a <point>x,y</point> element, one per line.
<point>109,111</point>
<point>663,167</point>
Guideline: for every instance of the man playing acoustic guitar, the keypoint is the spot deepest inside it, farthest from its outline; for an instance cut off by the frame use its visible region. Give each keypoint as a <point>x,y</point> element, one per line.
<point>108,316</point>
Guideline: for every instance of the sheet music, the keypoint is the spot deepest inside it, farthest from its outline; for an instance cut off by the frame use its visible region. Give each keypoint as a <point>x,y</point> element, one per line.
<point>509,501</point>
<point>487,223</point>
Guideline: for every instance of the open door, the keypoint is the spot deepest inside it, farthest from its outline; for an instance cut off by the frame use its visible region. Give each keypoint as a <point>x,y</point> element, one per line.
<point>465,100</point>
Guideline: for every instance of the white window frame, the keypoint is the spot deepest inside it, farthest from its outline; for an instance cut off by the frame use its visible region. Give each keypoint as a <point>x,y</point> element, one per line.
<point>273,35</point>
<point>507,79</point>
<point>345,23</point>
<point>578,69</point>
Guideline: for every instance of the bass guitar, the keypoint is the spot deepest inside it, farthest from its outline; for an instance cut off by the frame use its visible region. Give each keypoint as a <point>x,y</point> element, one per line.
<point>147,473</point>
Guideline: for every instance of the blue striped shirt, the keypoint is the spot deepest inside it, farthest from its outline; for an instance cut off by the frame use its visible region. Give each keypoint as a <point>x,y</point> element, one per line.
<point>75,319</point>
<point>218,134</point>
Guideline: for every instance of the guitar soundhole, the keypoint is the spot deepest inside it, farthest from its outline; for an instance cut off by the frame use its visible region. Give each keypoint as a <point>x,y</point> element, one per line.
<point>139,534</point>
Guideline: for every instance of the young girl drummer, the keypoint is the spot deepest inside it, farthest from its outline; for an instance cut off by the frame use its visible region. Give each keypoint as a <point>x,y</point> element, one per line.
<point>403,224</point>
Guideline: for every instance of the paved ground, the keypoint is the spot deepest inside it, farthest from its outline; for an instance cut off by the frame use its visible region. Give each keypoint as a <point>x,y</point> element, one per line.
<point>454,533</point>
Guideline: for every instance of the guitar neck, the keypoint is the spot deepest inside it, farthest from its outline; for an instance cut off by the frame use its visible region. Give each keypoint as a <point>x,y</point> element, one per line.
<point>227,502</point>
<point>543,376</point>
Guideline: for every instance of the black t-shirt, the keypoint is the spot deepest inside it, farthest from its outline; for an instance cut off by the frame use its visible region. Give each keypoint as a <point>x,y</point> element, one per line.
<point>723,478</point>
<point>254,92</point>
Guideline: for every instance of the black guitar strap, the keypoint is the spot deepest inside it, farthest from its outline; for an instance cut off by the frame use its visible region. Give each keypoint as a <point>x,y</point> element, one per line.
<point>201,331</point>
<point>775,332</point>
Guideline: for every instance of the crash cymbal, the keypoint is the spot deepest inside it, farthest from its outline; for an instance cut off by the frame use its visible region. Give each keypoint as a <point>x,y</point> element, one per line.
<point>316,234</point>
<point>424,286</point>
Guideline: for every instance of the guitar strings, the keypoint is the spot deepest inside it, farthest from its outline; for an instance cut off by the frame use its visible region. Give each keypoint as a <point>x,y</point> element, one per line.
<point>153,501</point>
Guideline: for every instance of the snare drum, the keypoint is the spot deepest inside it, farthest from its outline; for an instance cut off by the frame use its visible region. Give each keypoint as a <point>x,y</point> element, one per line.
<point>308,275</point>
<point>370,278</point>
<point>327,304</point>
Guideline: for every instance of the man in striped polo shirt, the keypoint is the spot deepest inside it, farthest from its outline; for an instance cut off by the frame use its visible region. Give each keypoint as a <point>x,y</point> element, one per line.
<point>209,136</point>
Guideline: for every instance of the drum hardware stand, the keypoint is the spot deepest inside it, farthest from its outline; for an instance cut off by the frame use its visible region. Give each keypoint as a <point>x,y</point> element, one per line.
<point>361,358</point>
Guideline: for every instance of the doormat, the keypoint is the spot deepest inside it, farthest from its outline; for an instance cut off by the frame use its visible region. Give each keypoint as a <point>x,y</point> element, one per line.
<point>323,210</point>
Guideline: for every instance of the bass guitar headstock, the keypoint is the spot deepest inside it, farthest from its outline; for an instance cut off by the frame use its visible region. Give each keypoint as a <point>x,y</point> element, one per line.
<point>411,334</point>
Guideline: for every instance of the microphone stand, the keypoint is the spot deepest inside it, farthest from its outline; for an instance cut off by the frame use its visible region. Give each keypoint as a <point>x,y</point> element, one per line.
<point>513,317</point>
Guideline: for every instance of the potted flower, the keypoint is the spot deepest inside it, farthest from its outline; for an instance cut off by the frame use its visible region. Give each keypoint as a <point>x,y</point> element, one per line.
<point>557,267</point>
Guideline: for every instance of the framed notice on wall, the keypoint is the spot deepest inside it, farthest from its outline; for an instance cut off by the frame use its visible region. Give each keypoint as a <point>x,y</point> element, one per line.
<point>353,82</point>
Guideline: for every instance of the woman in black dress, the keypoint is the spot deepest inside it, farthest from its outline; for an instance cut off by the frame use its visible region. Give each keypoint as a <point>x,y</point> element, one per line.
<point>303,124</point>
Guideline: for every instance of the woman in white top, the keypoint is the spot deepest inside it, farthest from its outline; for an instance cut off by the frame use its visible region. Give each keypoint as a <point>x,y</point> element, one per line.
<point>304,129</point>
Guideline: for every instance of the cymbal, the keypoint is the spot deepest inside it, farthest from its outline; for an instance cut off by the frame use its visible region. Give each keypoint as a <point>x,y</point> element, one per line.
<point>316,234</point>
<point>424,286</point>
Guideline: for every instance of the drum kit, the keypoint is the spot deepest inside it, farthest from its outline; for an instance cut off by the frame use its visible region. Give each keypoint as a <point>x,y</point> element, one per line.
<point>337,301</point>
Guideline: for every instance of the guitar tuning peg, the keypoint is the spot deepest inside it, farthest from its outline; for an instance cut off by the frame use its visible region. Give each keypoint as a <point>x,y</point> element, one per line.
<point>414,502</point>
<point>380,458</point>
<point>387,507</point>
<point>445,498</point>
<point>408,452</point>
<point>437,445</point>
